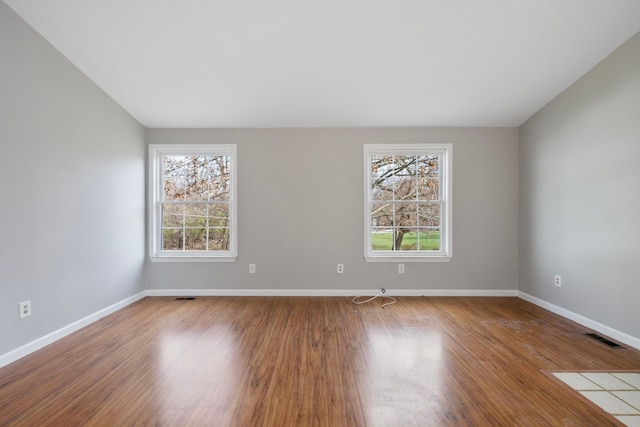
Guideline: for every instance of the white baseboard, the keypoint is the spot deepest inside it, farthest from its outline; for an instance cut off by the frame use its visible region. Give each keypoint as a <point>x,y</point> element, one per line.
<point>453,293</point>
<point>245,292</point>
<point>328,292</point>
<point>41,342</point>
<point>584,321</point>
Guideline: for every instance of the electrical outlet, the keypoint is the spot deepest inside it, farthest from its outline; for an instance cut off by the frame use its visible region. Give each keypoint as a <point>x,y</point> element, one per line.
<point>558,280</point>
<point>340,269</point>
<point>252,268</point>
<point>400,268</point>
<point>25,309</point>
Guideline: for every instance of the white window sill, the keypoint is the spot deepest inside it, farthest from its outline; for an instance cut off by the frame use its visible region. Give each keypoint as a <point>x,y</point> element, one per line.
<point>192,258</point>
<point>386,258</point>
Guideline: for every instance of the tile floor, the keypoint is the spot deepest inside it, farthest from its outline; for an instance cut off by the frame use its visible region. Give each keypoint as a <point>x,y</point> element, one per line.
<point>618,393</point>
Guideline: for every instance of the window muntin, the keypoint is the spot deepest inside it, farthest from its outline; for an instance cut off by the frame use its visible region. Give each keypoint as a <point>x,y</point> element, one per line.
<point>193,206</point>
<point>407,212</point>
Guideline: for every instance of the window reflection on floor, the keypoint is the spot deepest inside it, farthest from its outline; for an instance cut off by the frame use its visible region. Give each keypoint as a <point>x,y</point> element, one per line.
<point>403,370</point>
<point>194,366</point>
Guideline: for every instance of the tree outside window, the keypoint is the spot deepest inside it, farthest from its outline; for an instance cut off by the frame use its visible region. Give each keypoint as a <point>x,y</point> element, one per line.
<point>407,204</point>
<point>194,204</point>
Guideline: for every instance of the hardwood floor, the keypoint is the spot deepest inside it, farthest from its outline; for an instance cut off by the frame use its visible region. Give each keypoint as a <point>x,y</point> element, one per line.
<point>321,361</point>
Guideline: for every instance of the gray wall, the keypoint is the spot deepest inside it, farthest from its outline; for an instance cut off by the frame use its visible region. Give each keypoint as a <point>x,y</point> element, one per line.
<point>72,186</point>
<point>580,195</point>
<point>301,212</point>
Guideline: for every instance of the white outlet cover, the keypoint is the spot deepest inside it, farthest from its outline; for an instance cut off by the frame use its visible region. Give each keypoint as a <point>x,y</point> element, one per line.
<point>25,309</point>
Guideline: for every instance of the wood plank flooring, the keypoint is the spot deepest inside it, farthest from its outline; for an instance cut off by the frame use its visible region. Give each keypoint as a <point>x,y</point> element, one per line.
<point>313,361</point>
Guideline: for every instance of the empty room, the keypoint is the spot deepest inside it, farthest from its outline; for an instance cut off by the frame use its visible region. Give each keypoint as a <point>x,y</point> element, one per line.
<point>320,213</point>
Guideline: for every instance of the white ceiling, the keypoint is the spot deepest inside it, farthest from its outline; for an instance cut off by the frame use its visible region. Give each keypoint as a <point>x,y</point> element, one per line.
<point>318,63</point>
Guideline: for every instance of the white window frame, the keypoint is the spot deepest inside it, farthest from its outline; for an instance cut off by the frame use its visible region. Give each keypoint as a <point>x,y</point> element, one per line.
<point>156,176</point>
<point>445,253</point>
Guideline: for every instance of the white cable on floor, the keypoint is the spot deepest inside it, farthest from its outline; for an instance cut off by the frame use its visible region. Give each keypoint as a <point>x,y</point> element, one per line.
<point>393,300</point>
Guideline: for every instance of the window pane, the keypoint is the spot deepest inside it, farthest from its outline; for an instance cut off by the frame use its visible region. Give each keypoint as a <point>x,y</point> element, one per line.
<point>406,240</point>
<point>219,177</point>
<point>174,182</point>
<point>380,167</point>
<point>218,215</point>
<point>173,190</point>
<point>193,218</point>
<point>429,239</point>
<point>428,189</point>
<point>381,214</point>
<point>219,239</point>
<point>404,188</point>
<point>208,178</point>
<point>172,239</point>
<point>381,240</point>
<point>381,193</point>
<point>406,215</point>
<point>195,215</point>
<point>191,178</point>
<point>382,177</point>
<point>195,239</point>
<point>173,166</point>
<point>197,177</point>
<point>404,181</point>
<point>404,166</point>
<point>428,166</point>
<point>172,215</point>
<point>429,215</point>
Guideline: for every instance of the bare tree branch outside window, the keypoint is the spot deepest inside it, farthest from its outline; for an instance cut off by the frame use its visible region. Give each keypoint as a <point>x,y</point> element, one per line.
<point>195,205</point>
<point>406,202</point>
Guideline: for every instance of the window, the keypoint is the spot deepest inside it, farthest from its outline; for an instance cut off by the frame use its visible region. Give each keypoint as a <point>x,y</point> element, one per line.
<point>407,202</point>
<point>192,194</point>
